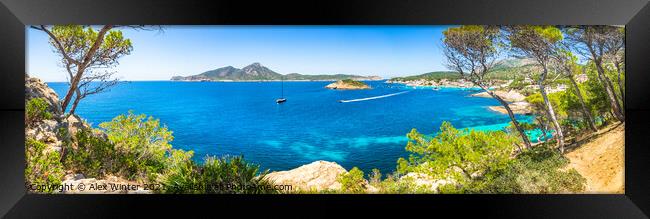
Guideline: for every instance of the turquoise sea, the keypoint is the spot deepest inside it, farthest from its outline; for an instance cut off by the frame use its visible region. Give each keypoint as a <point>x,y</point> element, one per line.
<point>242,118</point>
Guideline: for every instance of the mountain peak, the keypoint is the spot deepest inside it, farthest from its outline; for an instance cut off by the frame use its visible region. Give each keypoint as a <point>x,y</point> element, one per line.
<point>257,71</point>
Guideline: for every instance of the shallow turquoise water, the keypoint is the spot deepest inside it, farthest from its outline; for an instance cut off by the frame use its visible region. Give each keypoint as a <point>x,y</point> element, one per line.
<point>242,118</point>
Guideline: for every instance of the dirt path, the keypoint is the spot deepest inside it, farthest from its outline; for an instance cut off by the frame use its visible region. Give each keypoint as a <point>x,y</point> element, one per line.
<point>602,161</point>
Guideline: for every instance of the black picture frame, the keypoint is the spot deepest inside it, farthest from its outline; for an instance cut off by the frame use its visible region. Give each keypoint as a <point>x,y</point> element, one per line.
<point>635,14</point>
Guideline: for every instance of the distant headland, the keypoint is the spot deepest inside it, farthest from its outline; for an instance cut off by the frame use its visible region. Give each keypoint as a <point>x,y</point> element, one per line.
<point>258,72</point>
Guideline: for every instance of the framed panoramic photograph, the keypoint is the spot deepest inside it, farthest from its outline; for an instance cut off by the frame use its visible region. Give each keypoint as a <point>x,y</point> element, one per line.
<point>520,109</point>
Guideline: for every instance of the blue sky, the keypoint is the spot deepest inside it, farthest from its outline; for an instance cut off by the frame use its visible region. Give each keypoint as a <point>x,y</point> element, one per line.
<point>387,51</point>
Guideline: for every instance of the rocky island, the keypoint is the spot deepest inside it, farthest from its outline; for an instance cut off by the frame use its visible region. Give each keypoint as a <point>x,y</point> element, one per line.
<point>348,84</point>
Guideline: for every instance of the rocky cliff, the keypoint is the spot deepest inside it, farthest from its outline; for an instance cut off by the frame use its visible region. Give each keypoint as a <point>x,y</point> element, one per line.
<point>49,131</point>
<point>46,130</point>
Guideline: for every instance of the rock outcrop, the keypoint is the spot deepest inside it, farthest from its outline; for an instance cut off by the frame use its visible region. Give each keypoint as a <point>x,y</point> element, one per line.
<point>45,130</point>
<point>510,96</point>
<point>35,88</point>
<point>48,132</point>
<point>517,104</point>
<point>348,85</point>
<point>521,107</point>
<point>318,176</point>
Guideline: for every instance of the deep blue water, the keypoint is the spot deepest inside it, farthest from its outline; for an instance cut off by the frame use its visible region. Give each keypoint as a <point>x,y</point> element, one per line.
<point>242,118</point>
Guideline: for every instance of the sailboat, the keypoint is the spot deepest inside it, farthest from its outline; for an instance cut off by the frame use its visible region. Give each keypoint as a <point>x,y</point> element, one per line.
<point>281,99</point>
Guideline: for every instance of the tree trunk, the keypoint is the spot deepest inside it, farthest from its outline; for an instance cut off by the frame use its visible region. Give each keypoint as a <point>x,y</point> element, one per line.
<point>505,105</point>
<point>545,109</point>
<point>613,101</point>
<point>551,112</point>
<point>585,112</point>
<point>84,64</point>
<point>620,84</point>
<point>542,127</point>
<point>71,90</point>
<point>76,102</point>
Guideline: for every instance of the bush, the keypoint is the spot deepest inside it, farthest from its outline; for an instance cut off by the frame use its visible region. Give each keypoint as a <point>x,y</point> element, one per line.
<point>140,143</point>
<point>43,167</point>
<point>537,101</point>
<point>241,177</point>
<point>36,110</point>
<point>138,148</point>
<point>394,185</point>
<point>458,155</point>
<point>93,156</point>
<point>352,182</point>
<point>180,173</point>
<point>536,171</point>
<point>225,175</point>
<point>374,177</point>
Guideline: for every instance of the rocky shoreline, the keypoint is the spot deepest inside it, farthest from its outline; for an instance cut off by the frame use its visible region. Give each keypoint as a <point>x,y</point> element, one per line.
<point>521,107</point>
<point>516,100</point>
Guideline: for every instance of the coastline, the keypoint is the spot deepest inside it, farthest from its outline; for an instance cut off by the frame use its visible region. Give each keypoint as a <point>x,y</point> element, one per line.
<point>515,99</point>
<point>324,80</point>
<point>442,84</point>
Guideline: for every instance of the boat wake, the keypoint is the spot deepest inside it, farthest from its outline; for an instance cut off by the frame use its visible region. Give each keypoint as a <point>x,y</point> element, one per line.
<point>372,98</point>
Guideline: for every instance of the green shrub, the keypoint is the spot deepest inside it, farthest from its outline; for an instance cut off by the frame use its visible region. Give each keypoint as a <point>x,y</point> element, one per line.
<point>43,167</point>
<point>93,156</point>
<point>141,144</point>
<point>394,185</point>
<point>138,148</point>
<point>225,175</point>
<point>180,173</point>
<point>459,155</point>
<point>242,176</point>
<point>536,171</point>
<point>538,103</point>
<point>36,110</point>
<point>352,181</point>
<point>374,177</point>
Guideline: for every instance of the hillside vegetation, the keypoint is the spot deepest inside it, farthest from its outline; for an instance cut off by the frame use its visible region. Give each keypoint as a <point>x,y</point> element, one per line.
<point>504,70</point>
